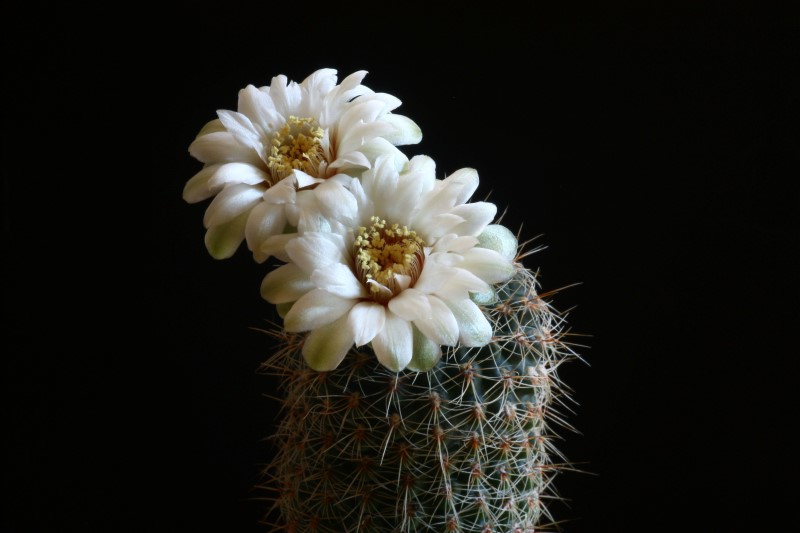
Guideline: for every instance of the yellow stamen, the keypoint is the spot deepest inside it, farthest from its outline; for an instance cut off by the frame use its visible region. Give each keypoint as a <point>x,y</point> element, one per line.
<point>296,146</point>
<point>384,252</point>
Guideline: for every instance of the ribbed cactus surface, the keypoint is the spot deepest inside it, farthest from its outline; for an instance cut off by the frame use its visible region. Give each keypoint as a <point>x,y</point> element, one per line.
<point>465,447</point>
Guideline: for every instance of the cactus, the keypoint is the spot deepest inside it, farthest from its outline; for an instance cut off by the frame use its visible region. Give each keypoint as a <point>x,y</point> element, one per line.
<point>417,359</point>
<point>464,447</point>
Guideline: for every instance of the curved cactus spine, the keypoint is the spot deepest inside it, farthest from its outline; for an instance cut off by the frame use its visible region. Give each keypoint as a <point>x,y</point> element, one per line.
<point>465,447</point>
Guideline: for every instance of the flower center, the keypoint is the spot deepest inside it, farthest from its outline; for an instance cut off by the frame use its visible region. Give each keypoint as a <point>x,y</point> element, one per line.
<point>296,146</point>
<point>388,258</point>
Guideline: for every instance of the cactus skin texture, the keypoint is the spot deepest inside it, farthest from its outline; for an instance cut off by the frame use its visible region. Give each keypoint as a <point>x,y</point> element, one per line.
<point>464,447</point>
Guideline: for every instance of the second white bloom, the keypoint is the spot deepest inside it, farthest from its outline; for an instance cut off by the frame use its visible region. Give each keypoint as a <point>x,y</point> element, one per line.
<point>400,276</point>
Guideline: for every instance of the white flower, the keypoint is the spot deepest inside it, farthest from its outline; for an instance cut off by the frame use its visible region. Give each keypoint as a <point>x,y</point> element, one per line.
<point>401,277</point>
<point>283,139</point>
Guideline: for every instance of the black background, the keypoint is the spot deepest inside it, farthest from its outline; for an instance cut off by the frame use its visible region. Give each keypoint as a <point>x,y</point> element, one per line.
<point>651,147</point>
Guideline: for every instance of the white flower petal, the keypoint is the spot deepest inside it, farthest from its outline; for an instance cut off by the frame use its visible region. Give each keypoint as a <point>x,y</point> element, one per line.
<point>232,173</point>
<point>305,214</point>
<point>359,112</point>
<point>381,184</point>
<point>442,327</point>
<point>316,308</point>
<point>316,87</point>
<point>434,275</point>
<point>500,239</point>
<point>388,102</point>
<point>197,188</point>
<point>379,146</point>
<point>426,353</point>
<point>485,298</point>
<point>316,250</point>
<point>264,221</point>
<point>366,320</point>
<point>473,327</point>
<point>349,160</point>
<point>302,180</point>
<point>275,246</point>
<point>242,129</point>
<point>476,215</point>
<point>282,309</point>
<point>336,202</point>
<point>286,96</point>
<point>465,181</point>
<point>259,108</point>
<point>443,224</point>
<point>460,283</point>
<point>350,87</point>
<point>283,192</point>
<point>394,345</point>
<point>325,347</point>
<point>230,203</point>
<point>433,215</point>
<point>222,240</point>
<point>487,264</point>
<point>406,130</point>
<point>453,243</point>
<point>411,304</point>
<point>285,284</point>
<point>210,127</point>
<point>423,165</point>
<point>363,202</point>
<point>355,136</point>
<point>338,279</point>
<point>220,147</point>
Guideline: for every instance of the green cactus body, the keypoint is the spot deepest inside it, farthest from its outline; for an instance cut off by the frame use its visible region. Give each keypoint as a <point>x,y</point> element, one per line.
<point>464,447</point>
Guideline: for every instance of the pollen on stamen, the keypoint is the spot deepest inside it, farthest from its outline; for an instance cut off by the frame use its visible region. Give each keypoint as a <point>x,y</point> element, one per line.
<point>389,258</point>
<point>297,146</point>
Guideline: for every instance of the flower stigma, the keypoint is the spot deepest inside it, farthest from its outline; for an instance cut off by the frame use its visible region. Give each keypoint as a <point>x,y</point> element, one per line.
<point>296,146</point>
<point>388,258</point>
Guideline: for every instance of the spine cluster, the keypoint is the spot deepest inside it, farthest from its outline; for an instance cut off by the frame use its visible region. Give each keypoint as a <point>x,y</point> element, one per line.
<point>465,447</point>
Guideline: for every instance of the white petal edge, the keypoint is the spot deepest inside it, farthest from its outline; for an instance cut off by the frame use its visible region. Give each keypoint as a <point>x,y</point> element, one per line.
<point>220,147</point>
<point>366,320</point>
<point>223,240</point>
<point>285,284</point>
<point>197,188</point>
<point>338,279</point>
<point>231,173</point>
<point>326,347</point>
<point>466,179</point>
<point>411,304</point>
<point>426,353</point>
<point>476,215</point>
<point>231,202</point>
<point>394,345</point>
<point>442,328</point>
<point>406,130</point>
<point>500,239</point>
<point>314,309</point>
<point>316,250</point>
<point>473,327</point>
<point>487,264</point>
<point>265,220</point>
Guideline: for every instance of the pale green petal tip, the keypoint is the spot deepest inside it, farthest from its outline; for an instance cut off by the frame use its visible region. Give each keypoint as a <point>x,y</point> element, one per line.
<point>484,298</point>
<point>426,353</point>
<point>223,240</point>
<point>283,308</point>
<point>211,126</point>
<point>500,239</point>
<point>406,130</point>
